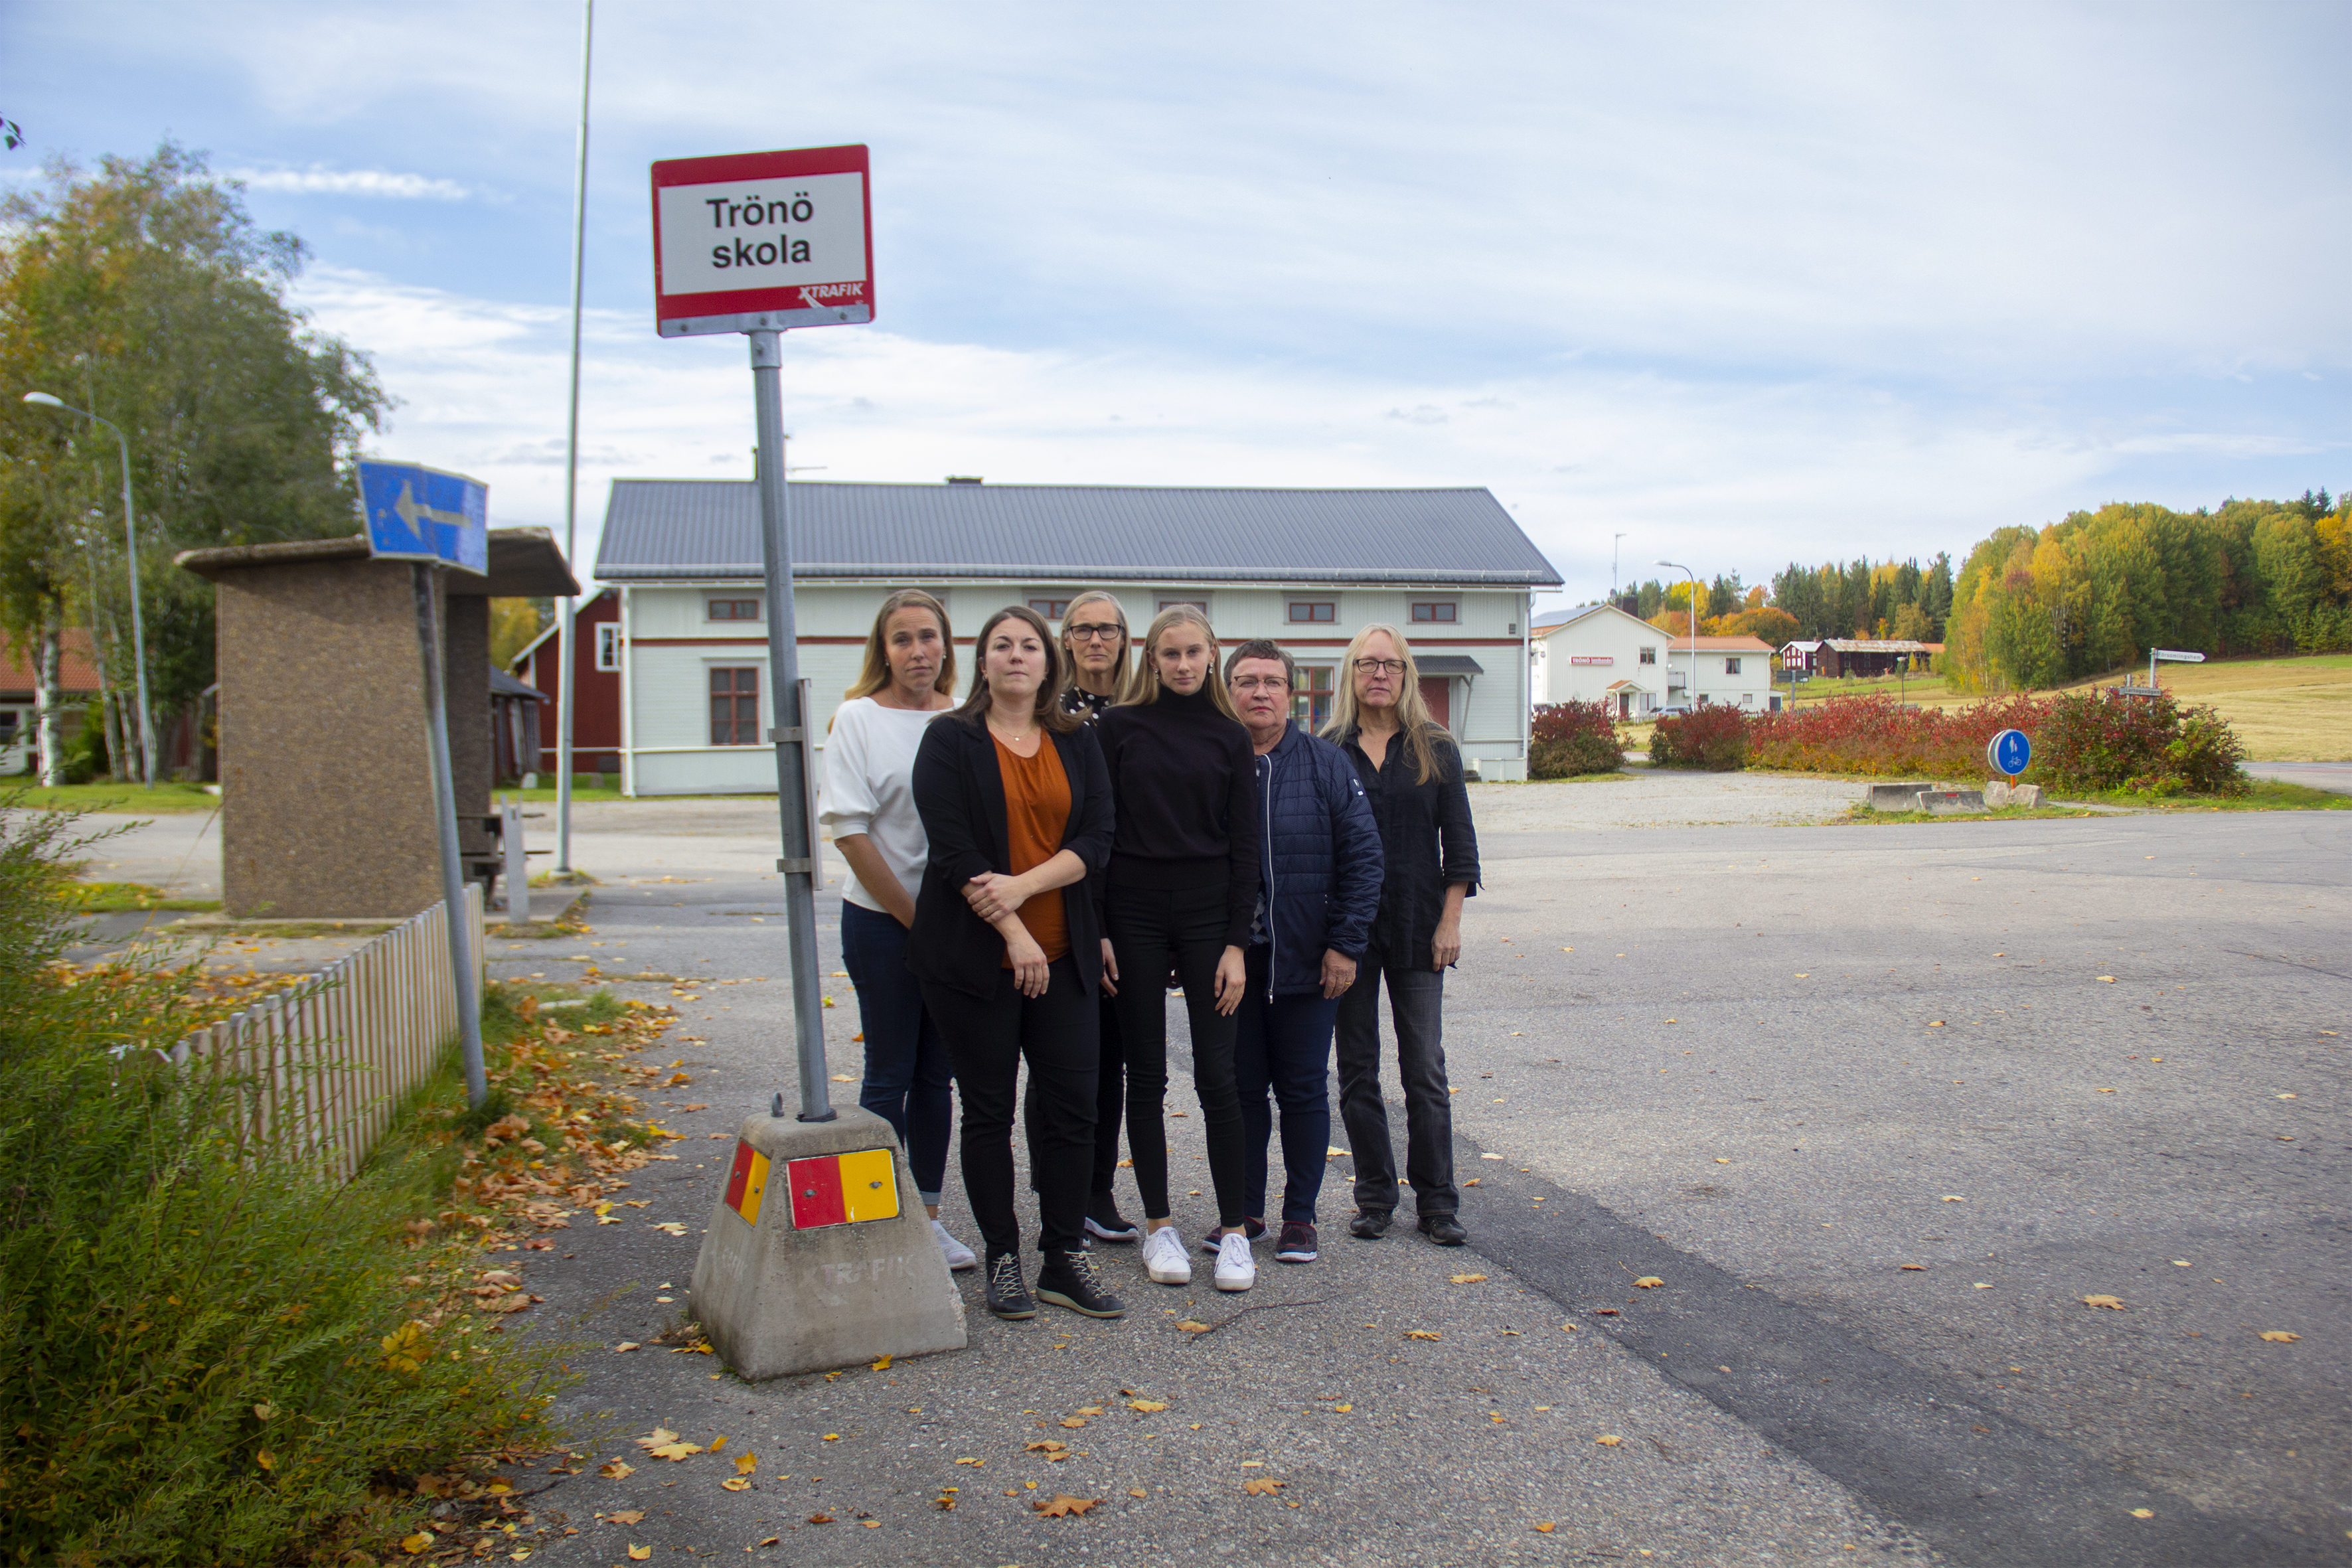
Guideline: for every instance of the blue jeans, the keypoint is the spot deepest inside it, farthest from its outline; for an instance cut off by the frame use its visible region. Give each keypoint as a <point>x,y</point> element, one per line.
<point>908,1070</point>
<point>1284,1043</point>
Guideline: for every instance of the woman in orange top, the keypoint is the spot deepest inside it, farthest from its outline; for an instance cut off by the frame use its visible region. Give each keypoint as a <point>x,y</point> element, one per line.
<point>1009,949</point>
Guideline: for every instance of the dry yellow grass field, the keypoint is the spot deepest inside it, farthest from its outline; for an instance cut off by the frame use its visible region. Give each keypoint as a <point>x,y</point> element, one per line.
<point>2294,710</point>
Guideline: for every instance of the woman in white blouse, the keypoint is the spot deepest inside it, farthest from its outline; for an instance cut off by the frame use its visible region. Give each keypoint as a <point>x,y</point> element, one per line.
<point>869,811</point>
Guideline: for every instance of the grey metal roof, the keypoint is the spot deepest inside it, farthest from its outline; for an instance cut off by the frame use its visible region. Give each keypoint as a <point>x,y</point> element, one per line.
<point>1449,664</point>
<point>679,530</point>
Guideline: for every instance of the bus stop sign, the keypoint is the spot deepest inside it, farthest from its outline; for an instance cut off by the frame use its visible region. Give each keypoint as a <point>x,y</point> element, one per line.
<point>2008,753</point>
<point>763,241</point>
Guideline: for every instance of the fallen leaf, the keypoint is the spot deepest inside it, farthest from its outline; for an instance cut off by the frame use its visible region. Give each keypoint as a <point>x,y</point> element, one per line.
<point>625,1346</point>
<point>1261,1486</point>
<point>744,1463</point>
<point>1046,1446</point>
<point>1088,1410</point>
<point>1567,1328</point>
<point>2110,1303</point>
<point>1648,1282</point>
<point>1420,1334</point>
<point>1954,1198</point>
<point>413,1544</point>
<point>970,1461</point>
<point>772,1541</point>
<point>1343,1409</point>
<point>1147,1406</point>
<point>1136,1491</point>
<point>1469,1279</point>
<point>1935,1023</point>
<point>1604,1312</point>
<point>673,1227</point>
<point>1609,1439</point>
<point>820,1518</point>
<point>265,1459</point>
<point>882,1365</point>
<point>1490,1156</point>
<point>616,1469</point>
<point>2107,979</point>
<point>639,1554</point>
<point>1472,1182</point>
<point>1546,1528</point>
<point>1074,1422</point>
<point>737,1483</point>
<point>2143,1513</point>
<point>717,1444</point>
<point>1915,1269</point>
<point>630,1516</point>
<point>1064,1505</point>
<point>845,1078</point>
<point>1192,1326</point>
<point>2280,1336</point>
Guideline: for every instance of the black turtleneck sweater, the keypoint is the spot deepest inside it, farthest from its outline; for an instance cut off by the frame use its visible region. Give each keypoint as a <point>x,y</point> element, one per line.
<point>1185,787</point>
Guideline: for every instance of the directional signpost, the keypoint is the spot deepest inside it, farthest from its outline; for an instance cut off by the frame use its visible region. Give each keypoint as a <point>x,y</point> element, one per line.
<point>2169,656</point>
<point>435,521</point>
<point>759,243</point>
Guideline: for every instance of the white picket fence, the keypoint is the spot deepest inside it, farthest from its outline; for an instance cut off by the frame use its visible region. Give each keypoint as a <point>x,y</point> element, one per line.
<point>325,1062</point>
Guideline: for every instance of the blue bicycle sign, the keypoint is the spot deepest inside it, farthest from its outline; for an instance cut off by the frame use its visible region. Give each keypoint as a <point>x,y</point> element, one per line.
<point>2008,753</point>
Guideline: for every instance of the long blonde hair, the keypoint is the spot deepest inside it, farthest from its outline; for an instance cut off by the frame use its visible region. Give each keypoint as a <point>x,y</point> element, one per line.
<point>1143,681</point>
<point>1412,713</point>
<point>1070,653</point>
<point>874,674</point>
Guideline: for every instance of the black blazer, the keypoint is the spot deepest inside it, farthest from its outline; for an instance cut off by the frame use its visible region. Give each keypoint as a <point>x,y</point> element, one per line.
<point>960,794</point>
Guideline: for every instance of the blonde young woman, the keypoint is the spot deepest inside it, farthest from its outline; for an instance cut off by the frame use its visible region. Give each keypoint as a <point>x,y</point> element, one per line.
<point>1094,669</point>
<point>1181,895</point>
<point>869,811</point>
<point>1412,772</point>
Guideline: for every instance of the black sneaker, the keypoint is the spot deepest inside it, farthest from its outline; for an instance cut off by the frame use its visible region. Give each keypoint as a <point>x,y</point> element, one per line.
<point>1007,1296</point>
<point>1444,1229</point>
<point>1297,1243</point>
<point>1104,1223</point>
<point>1370,1224</point>
<point>1071,1279</point>
<point>1255,1229</point>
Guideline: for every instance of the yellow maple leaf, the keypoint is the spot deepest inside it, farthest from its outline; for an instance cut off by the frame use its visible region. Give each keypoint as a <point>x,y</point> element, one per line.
<point>1609,1439</point>
<point>616,1469</point>
<point>1259,1486</point>
<point>419,1542</point>
<point>737,1483</point>
<point>1147,1406</point>
<point>1064,1505</point>
<point>1192,1326</point>
<point>717,1444</point>
<point>881,1366</point>
<point>1648,1282</point>
<point>2111,1303</point>
<point>1546,1528</point>
<point>2280,1336</point>
<point>639,1554</point>
<point>1343,1409</point>
<point>1469,1279</point>
<point>744,1463</point>
<point>1420,1334</point>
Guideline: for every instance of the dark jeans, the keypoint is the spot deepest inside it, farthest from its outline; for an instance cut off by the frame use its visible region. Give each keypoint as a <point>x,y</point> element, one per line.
<point>1110,1104</point>
<point>1416,1004</point>
<point>907,1067</point>
<point>989,1039</point>
<point>1150,932</point>
<point>1284,1043</point>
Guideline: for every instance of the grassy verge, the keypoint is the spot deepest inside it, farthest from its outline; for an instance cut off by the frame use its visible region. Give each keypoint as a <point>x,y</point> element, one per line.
<point>114,797</point>
<point>2264,794</point>
<point>128,898</point>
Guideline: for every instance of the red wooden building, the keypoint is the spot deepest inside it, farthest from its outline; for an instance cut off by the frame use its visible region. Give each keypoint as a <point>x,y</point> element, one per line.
<point>596,685</point>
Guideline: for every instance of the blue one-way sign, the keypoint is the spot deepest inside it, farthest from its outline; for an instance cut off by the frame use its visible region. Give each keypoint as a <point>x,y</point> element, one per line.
<point>417,513</point>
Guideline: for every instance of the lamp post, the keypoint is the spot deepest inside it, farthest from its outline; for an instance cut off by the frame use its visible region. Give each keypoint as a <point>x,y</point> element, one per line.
<point>130,549</point>
<point>567,679</point>
<point>1694,631</point>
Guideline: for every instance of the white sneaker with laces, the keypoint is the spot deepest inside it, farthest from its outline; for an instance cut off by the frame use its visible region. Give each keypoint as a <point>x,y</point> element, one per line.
<point>959,1256</point>
<point>1164,1259</point>
<point>1236,1269</point>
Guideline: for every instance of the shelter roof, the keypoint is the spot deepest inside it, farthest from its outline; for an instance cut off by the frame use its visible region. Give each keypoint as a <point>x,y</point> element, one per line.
<point>1449,664</point>
<point>689,530</point>
<point>524,563</point>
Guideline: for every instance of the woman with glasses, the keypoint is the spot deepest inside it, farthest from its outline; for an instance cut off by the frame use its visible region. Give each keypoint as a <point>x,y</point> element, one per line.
<point>868,811</point>
<point>1017,807</point>
<point>1181,891</point>
<point>1093,663</point>
<point>1412,770</point>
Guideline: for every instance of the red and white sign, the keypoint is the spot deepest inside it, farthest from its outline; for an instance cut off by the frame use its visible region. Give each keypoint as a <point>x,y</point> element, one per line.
<point>755,240</point>
<point>1591,659</point>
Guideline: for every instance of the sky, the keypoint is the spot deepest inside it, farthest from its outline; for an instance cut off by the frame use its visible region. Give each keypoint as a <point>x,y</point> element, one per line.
<point>1743,283</point>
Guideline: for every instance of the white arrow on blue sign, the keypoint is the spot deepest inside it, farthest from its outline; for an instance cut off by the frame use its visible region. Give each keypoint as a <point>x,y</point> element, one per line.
<point>417,513</point>
<point>2010,752</point>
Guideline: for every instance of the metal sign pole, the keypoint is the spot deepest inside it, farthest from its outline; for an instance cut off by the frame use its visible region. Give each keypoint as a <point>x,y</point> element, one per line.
<point>795,751</point>
<point>445,815</point>
<point>567,697</point>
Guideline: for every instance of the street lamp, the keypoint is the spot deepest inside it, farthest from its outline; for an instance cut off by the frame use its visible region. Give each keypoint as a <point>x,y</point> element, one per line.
<point>130,549</point>
<point>1694,631</point>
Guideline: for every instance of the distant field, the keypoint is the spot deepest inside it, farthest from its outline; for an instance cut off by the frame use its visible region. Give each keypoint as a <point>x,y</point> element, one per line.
<point>2294,710</point>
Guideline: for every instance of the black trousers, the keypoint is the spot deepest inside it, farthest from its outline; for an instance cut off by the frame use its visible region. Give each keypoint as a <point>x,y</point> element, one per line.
<point>1152,933</point>
<point>988,1041</point>
<point>1416,1008</point>
<point>1110,1105</point>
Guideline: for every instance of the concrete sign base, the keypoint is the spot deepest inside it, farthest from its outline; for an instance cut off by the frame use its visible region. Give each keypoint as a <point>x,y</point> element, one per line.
<point>1998,794</point>
<point>818,1255</point>
<point>1896,797</point>
<point>1950,801</point>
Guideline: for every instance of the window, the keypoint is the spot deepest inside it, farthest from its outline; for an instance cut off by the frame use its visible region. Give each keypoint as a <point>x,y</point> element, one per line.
<point>1436,612</point>
<point>1051,609</point>
<point>1748,700</point>
<point>1731,667</point>
<point>1310,703</point>
<point>735,706</point>
<point>1649,656</point>
<point>608,646</point>
<point>732,609</point>
<point>1314,612</point>
<point>1166,604</point>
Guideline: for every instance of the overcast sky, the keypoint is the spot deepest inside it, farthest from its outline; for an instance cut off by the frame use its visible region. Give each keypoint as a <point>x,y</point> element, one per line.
<point>1746,283</point>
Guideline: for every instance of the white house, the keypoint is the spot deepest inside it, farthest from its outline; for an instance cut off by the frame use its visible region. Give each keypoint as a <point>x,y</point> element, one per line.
<point>1303,568</point>
<point>1598,653</point>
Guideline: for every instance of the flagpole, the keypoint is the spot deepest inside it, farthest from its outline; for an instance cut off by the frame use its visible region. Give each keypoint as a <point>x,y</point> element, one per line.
<point>566,677</point>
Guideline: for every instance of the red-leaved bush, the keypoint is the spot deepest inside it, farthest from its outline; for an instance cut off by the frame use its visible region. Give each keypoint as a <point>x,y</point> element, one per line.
<point>1569,738</point>
<point>1876,734</point>
<point>1712,737</point>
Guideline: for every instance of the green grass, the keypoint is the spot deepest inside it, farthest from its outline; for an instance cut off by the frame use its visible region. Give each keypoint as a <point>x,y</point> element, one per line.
<point>2264,794</point>
<point>113,798</point>
<point>129,898</point>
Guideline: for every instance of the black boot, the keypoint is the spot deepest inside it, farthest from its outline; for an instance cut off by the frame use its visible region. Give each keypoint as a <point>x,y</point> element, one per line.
<point>1370,1224</point>
<point>1008,1297</point>
<point>1444,1229</point>
<point>1071,1279</point>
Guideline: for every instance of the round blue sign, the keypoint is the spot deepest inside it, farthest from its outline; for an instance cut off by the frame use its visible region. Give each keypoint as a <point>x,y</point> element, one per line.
<point>2009,753</point>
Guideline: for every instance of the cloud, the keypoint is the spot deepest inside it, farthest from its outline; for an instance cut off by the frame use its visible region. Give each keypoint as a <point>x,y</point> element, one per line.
<point>371,182</point>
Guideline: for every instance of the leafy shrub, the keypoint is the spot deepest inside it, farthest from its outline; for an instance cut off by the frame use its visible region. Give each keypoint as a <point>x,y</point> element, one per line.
<point>1565,739</point>
<point>206,1348</point>
<point>2149,745</point>
<point>1874,734</point>
<point>1712,737</point>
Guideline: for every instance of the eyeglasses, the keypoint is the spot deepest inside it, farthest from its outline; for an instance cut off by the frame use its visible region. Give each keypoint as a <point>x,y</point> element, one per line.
<point>1099,631</point>
<point>1261,682</point>
<point>1379,667</point>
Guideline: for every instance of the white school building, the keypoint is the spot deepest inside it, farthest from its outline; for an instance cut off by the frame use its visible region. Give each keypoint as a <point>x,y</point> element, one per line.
<point>1598,653</point>
<point>1303,568</point>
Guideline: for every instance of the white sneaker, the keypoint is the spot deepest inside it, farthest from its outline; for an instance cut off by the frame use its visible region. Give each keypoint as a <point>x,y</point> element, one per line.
<point>1163,1257</point>
<point>1236,1269</point>
<point>959,1256</point>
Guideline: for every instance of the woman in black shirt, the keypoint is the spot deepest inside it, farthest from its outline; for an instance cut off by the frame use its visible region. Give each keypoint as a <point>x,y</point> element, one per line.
<point>1181,893</point>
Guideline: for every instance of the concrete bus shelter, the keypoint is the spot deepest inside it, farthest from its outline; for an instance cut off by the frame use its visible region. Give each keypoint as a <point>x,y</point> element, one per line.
<point>325,770</point>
